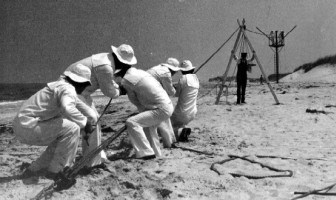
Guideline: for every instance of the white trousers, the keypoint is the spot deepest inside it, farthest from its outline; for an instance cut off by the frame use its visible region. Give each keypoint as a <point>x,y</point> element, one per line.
<point>95,137</point>
<point>59,134</point>
<point>142,130</point>
<point>166,131</point>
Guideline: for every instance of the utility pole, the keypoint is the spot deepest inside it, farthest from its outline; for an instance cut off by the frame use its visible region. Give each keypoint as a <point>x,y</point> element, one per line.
<point>277,41</point>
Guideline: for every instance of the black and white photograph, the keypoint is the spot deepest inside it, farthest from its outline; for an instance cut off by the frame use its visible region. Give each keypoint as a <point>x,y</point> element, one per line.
<point>167,99</point>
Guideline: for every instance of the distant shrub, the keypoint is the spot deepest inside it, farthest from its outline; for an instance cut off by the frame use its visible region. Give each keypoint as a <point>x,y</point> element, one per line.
<point>321,61</point>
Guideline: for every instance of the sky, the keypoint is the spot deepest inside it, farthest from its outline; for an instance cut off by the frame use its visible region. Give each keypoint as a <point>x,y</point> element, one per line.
<point>39,39</point>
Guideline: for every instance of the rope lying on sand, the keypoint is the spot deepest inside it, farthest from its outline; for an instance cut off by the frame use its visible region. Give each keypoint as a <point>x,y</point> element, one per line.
<point>192,150</point>
<point>233,157</point>
<point>316,192</point>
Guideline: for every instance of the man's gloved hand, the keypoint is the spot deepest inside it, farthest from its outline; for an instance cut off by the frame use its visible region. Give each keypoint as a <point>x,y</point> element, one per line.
<point>122,90</point>
<point>175,84</point>
<point>88,127</point>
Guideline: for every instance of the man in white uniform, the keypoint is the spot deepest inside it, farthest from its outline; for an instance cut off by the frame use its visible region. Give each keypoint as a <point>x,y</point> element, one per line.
<point>50,118</point>
<point>186,108</point>
<point>163,73</point>
<point>102,66</point>
<point>154,106</point>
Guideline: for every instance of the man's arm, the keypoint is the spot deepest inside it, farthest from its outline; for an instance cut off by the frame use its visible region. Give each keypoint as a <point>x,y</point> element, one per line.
<point>167,84</point>
<point>68,101</point>
<point>106,81</point>
<point>132,96</point>
<point>235,57</point>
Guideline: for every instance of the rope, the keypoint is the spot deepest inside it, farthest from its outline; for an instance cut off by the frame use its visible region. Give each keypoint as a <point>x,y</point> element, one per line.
<point>317,192</point>
<point>192,150</point>
<point>254,32</point>
<point>233,157</point>
<point>200,67</point>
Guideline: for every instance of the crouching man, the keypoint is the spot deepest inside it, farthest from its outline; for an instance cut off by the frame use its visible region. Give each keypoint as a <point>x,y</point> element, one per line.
<point>154,106</point>
<point>50,118</point>
<point>163,73</point>
<point>186,108</point>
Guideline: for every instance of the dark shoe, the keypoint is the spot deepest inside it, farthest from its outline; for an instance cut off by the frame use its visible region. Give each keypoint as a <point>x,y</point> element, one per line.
<point>184,135</point>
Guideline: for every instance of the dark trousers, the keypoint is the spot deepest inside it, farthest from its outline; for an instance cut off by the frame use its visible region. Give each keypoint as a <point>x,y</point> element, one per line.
<point>241,87</point>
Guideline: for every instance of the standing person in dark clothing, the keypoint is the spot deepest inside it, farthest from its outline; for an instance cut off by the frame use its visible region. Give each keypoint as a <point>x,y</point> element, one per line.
<point>243,67</point>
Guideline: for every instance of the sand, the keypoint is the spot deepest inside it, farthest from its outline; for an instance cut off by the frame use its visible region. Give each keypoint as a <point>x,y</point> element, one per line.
<point>300,141</point>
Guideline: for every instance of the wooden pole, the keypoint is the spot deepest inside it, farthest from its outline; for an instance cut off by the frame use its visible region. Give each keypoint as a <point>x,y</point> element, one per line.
<point>228,66</point>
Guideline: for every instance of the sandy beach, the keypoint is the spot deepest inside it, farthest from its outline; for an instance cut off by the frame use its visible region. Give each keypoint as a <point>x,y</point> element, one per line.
<point>285,136</point>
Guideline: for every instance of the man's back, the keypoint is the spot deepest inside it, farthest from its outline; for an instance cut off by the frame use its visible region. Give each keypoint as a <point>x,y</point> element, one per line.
<point>187,91</point>
<point>162,74</point>
<point>144,88</point>
<point>45,104</point>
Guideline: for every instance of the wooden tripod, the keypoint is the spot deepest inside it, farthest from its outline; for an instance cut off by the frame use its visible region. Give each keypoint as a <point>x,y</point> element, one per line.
<point>242,35</point>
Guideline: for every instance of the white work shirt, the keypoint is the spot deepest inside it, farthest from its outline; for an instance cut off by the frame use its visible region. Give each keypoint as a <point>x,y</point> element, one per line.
<point>187,91</point>
<point>57,99</point>
<point>144,91</point>
<point>101,66</point>
<point>162,74</point>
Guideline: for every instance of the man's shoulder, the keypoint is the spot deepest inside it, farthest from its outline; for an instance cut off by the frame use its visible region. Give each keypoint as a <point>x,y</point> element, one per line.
<point>134,75</point>
<point>62,87</point>
<point>101,59</point>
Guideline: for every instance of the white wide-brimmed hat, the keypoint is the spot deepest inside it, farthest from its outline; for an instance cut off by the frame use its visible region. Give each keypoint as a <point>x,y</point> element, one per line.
<point>173,64</point>
<point>186,66</point>
<point>79,73</point>
<point>125,54</point>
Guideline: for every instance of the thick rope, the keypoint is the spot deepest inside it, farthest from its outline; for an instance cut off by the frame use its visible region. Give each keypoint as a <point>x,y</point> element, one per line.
<point>316,192</point>
<point>290,172</point>
<point>200,67</point>
<point>233,157</point>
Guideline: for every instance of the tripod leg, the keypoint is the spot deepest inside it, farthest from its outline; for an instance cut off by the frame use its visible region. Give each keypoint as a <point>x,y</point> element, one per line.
<point>228,67</point>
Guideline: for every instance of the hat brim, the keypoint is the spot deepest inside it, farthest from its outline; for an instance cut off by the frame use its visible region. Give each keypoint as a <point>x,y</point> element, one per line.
<point>187,69</point>
<point>173,68</point>
<point>76,78</point>
<point>115,51</point>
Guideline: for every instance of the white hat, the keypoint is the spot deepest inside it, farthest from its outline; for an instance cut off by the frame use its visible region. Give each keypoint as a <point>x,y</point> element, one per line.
<point>79,73</point>
<point>173,64</point>
<point>125,54</point>
<point>186,66</point>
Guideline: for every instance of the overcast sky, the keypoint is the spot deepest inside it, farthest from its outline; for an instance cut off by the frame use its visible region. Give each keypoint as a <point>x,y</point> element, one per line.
<point>39,39</point>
